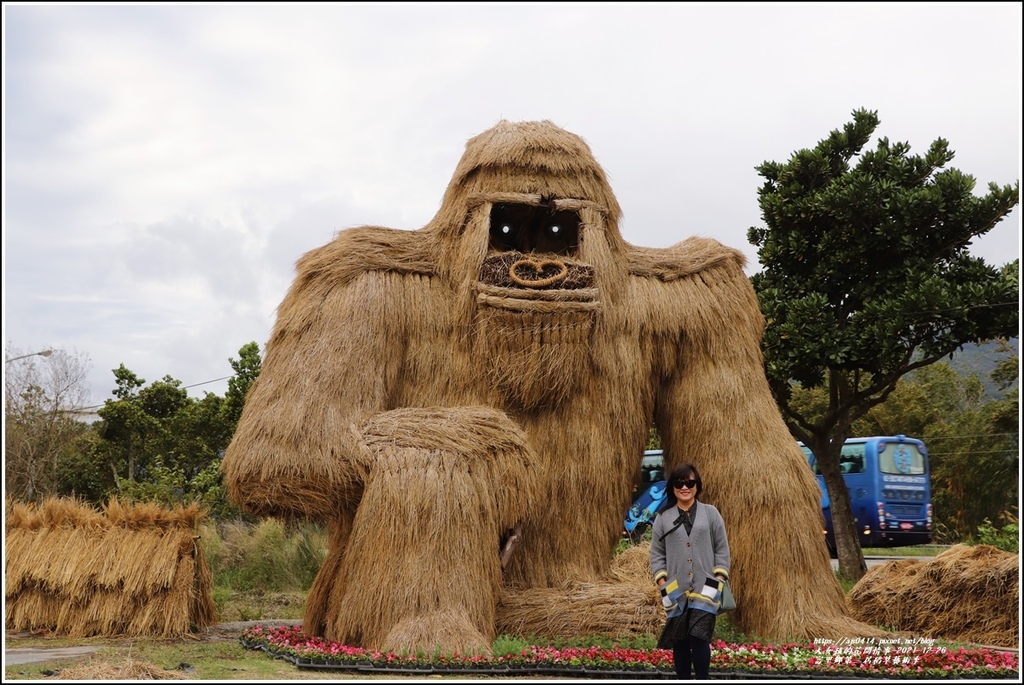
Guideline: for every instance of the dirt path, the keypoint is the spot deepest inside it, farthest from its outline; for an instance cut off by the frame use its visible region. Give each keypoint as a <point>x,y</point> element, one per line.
<point>33,655</point>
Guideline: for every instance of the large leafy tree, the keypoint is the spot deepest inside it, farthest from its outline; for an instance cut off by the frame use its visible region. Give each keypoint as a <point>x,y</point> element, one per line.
<point>866,277</point>
<point>130,425</point>
<point>156,443</point>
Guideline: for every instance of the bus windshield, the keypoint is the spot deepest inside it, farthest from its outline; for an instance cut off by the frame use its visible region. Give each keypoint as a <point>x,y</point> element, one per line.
<point>901,458</point>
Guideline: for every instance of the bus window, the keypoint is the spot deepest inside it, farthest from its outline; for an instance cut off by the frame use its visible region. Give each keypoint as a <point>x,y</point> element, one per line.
<point>652,468</point>
<point>851,459</point>
<point>901,458</point>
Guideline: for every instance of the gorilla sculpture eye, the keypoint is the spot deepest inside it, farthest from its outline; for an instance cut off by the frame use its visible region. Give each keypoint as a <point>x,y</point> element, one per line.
<point>529,228</point>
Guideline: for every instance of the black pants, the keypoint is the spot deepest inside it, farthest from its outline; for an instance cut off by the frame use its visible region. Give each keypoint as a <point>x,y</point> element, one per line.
<point>691,651</point>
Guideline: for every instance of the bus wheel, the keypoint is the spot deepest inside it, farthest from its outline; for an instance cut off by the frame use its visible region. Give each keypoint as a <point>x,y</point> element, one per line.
<point>637,535</point>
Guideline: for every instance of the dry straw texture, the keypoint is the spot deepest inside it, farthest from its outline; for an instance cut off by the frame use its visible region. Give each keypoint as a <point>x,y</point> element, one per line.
<point>627,604</point>
<point>128,570</point>
<point>436,475</point>
<point>968,594</point>
<point>121,669</point>
<point>380,322</point>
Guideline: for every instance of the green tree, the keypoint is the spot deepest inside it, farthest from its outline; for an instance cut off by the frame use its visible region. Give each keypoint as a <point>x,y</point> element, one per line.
<point>866,277</point>
<point>247,370</point>
<point>85,473</point>
<point>156,443</point>
<point>126,429</point>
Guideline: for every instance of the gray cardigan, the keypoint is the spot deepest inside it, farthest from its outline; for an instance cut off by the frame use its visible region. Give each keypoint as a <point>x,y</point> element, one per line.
<point>689,559</point>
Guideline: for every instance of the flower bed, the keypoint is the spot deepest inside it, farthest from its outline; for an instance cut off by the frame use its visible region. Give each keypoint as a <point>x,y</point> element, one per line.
<point>841,658</point>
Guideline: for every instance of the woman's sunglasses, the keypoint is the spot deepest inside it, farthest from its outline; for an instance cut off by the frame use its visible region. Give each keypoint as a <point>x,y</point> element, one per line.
<point>691,484</point>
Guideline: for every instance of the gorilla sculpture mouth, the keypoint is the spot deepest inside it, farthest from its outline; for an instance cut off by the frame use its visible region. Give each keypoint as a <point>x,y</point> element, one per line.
<point>535,272</point>
<point>538,283</point>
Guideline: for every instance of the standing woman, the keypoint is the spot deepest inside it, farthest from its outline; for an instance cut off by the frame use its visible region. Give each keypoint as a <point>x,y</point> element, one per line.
<point>688,544</point>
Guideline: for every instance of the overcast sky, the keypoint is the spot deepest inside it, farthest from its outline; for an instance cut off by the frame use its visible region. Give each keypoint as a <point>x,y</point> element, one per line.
<point>165,166</point>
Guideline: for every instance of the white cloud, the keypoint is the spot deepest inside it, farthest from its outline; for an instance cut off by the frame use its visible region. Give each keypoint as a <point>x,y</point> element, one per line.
<point>166,165</point>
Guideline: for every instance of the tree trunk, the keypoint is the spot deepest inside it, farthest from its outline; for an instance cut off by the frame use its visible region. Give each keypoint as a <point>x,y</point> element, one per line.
<point>117,480</point>
<point>851,557</point>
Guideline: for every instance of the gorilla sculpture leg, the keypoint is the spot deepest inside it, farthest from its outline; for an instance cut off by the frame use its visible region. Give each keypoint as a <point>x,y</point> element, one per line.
<point>421,565</point>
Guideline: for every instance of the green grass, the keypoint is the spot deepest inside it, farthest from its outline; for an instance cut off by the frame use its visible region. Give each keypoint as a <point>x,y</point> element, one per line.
<point>910,551</point>
<point>206,661</point>
<point>845,583</point>
<point>255,605</point>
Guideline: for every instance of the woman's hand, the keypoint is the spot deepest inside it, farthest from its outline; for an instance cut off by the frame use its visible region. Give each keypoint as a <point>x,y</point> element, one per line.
<point>667,602</point>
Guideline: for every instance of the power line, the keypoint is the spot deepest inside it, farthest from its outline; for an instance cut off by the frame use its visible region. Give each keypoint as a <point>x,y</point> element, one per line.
<point>193,385</point>
<point>224,378</point>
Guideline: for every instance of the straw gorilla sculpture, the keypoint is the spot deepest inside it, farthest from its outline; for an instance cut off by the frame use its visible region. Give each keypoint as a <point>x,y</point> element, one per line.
<point>439,394</point>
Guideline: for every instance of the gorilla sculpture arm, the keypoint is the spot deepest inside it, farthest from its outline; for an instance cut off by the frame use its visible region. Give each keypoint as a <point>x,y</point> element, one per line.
<point>715,409</point>
<point>297,447</point>
<point>348,422</point>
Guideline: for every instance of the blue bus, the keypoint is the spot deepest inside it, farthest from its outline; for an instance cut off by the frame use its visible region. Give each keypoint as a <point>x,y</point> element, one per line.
<point>889,482</point>
<point>887,477</point>
<point>648,495</point>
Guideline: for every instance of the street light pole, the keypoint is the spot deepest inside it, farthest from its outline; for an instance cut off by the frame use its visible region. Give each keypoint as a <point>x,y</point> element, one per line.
<point>44,353</point>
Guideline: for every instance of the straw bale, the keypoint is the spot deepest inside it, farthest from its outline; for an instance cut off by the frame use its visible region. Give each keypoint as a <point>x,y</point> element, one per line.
<point>32,608</point>
<point>59,512</point>
<point>15,543</point>
<point>129,570</point>
<point>19,515</point>
<point>609,609</point>
<point>202,610</point>
<point>383,330</point>
<point>960,595</point>
<point>633,565</point>
<point>146,515</point>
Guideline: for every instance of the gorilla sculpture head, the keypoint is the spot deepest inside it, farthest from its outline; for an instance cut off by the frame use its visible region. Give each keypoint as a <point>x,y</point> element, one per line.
<point>529,226</point>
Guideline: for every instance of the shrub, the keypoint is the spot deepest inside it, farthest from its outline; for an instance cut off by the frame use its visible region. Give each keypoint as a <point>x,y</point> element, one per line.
<point>1006,538</point>
<point>268,556</point>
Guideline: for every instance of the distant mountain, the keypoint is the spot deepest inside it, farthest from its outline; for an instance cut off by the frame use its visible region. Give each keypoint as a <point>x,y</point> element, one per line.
<point>981,360</point>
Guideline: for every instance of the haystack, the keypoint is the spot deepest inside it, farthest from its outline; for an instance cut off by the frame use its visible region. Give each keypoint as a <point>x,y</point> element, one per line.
<point>126,570</point>
<point>965,594</point>
<point>626,604</point>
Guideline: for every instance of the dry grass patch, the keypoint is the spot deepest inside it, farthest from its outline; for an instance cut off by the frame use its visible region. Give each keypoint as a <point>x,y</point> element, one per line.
<point>965,594</point>
<point>118,668</point>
